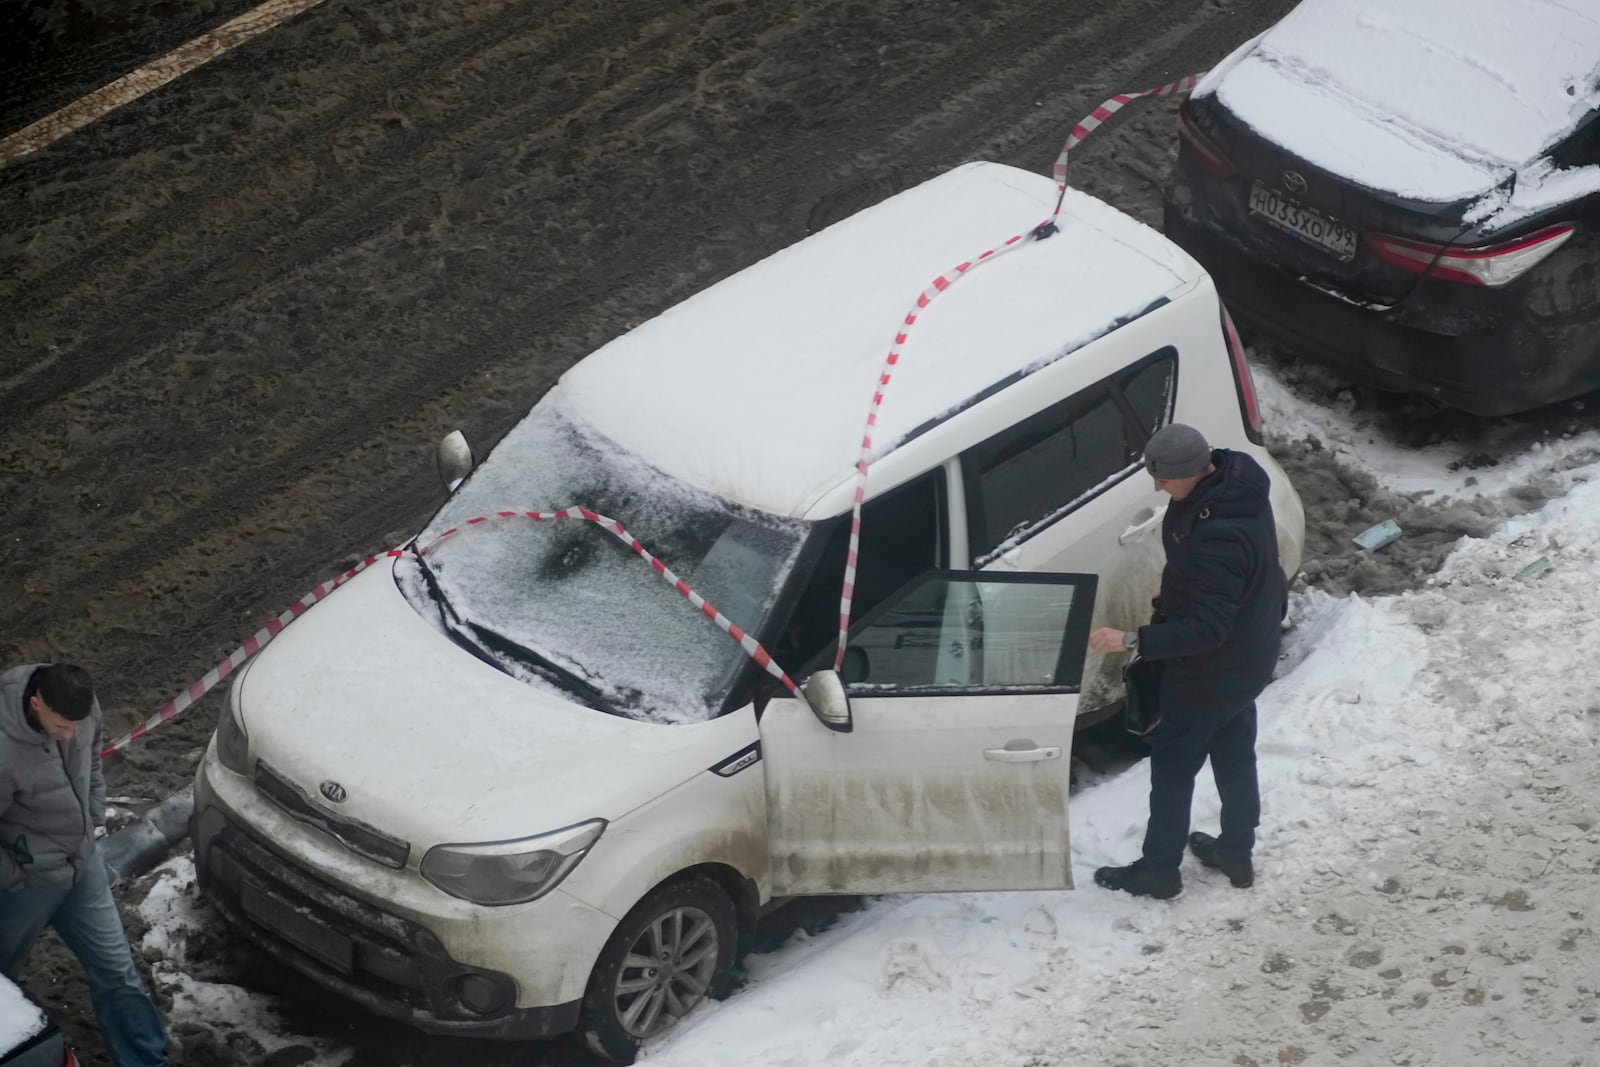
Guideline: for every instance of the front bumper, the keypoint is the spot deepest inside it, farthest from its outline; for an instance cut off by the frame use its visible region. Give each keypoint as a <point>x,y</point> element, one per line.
<point>1476,349</point>
<point>372,948</point>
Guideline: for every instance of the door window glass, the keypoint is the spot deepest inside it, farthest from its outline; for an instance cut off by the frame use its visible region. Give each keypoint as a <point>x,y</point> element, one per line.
<point>903,535</point>
<point>969,631</point>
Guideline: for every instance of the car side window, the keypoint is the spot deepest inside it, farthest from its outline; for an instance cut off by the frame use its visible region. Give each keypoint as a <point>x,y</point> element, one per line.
<point>1026,477</point>
<point>1150,387</point>
<point>904,533</point>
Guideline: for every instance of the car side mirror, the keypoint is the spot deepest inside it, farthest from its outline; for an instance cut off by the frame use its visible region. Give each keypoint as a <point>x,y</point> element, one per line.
<point>824,692</point>
<point>454,459</point>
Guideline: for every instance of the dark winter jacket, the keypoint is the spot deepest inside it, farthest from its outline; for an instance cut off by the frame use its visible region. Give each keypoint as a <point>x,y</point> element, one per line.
<point>1217,626</point>
<point>52,793</point>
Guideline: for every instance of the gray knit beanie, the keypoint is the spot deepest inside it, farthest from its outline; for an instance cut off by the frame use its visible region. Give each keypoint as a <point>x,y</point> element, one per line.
<point>1176,451</point>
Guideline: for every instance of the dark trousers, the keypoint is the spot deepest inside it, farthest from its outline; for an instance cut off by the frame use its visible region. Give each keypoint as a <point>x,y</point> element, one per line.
<point>1178,749</point>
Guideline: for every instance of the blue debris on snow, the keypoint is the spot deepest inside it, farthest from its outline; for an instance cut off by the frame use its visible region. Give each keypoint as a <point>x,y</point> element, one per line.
<point>1537,569</point>
<point>1385,533</point>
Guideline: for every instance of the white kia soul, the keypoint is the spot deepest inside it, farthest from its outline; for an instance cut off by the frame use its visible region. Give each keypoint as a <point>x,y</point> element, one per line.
<point>511,783</point>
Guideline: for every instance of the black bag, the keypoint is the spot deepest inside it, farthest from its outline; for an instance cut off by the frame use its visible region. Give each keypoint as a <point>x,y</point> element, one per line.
<point>1141,680</point>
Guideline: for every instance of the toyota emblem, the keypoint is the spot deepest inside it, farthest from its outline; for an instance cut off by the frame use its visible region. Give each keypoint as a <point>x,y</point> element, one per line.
<point>1294,181</point>
<point>333,791</point>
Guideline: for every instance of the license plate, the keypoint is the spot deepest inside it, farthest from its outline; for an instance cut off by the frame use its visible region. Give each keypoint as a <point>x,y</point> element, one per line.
<point>1301,221</point>
<point>298,928</point>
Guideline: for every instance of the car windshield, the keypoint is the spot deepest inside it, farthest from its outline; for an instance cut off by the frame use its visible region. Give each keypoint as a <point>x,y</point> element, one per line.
<point>564,603</point>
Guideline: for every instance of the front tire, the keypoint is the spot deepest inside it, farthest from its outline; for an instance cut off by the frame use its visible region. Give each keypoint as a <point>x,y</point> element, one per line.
<point>675,948</point>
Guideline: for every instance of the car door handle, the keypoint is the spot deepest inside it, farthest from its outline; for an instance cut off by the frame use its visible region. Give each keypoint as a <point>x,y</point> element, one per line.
<point>1144,520</point>
<point>1022,755</point>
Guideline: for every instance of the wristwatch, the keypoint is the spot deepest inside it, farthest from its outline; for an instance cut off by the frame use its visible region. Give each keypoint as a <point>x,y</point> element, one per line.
<point>1130,640</point>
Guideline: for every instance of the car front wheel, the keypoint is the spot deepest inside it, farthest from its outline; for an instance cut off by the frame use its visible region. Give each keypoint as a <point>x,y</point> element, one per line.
<point>676,947</point>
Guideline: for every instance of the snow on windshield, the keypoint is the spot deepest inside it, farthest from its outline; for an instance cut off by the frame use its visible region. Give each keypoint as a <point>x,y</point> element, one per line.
<point>1438,99</point>
<point>570,593</point>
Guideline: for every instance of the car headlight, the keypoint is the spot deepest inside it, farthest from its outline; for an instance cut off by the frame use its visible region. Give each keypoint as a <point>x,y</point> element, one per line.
<point>233,744</point>
<point>510,872</point>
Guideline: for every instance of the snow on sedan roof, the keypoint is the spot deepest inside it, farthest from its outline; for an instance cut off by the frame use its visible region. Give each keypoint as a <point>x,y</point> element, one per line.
<point>1435,99</point>
<point>757,388</point>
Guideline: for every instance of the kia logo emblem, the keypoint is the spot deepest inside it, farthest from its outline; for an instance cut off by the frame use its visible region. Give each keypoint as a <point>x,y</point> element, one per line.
<point>1294,181</point>
<point>333,791</point>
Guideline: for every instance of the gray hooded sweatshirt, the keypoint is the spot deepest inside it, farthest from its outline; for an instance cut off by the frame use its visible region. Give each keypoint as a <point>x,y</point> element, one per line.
<point>52,793</point>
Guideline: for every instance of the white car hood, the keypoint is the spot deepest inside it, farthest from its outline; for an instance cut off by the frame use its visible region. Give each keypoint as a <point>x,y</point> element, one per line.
<point>431,744</point>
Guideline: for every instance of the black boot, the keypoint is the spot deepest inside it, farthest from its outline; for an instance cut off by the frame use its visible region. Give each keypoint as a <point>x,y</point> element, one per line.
<point>1140,880</point>
<point>1204,847</point>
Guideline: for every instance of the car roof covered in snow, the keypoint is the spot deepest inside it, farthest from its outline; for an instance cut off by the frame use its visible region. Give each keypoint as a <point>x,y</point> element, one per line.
<point>757,388</point>
<point>1440,100</point>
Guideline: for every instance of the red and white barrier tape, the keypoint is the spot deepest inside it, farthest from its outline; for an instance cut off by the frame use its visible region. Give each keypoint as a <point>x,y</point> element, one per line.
<point>1090,123</point>
<point>213,678</point>
<point>751,646</point>
<point>236,659</point>
<point>939,285</point>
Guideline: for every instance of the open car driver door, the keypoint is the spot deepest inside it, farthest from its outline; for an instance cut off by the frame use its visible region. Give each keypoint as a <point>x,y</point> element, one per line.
<point>939,759</point>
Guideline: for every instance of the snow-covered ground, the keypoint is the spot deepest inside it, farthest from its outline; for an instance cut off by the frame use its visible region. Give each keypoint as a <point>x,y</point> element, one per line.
<point>1427,874</point>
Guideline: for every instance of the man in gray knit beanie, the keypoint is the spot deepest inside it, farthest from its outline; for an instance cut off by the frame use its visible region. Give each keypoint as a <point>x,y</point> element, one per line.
<point>1176,453</point>
<point>1215,637</point>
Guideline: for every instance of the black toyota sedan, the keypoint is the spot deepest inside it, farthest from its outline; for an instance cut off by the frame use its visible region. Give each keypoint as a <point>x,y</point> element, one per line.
<point>1410,191</point>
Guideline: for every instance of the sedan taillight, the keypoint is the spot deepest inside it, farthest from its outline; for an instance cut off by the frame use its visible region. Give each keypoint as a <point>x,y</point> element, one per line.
<point>1490,265</point>
<point>1202,148</point>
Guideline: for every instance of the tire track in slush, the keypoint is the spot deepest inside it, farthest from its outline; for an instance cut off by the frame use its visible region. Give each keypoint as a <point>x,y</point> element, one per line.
<point>221,186</point>
<point>183,298</point>
<point>150,77</point>
<point>964,116</point>
<point>332,249</point>
<point>375,207</point>
<point>53,66</point>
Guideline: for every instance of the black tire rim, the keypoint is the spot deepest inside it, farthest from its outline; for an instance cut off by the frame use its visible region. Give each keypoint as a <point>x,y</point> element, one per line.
<point>666,971</point>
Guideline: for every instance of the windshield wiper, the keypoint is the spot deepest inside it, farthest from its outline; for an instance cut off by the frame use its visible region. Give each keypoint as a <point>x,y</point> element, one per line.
<point>484,643</point>
<point>544,666</point>
<point>447,611</point>
<point>450,621</point>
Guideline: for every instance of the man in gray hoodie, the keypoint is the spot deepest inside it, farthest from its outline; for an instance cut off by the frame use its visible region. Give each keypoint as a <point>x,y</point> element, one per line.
<point>52,873</point>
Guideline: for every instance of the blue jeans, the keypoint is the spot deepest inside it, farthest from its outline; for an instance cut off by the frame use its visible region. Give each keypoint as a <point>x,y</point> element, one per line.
<point>86,918</point>
<point>1178,749</point>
